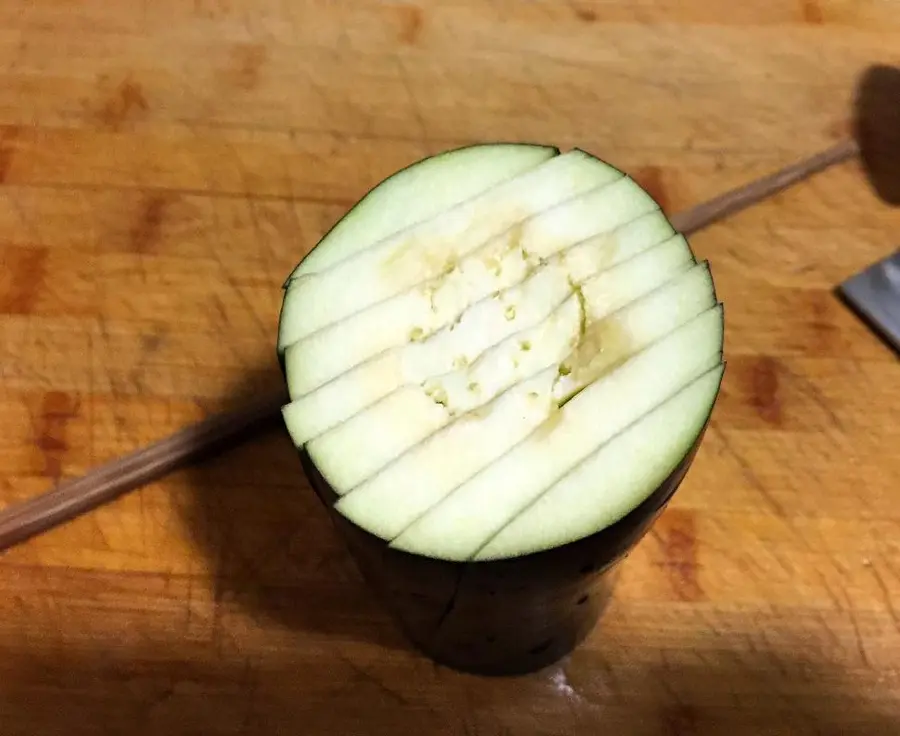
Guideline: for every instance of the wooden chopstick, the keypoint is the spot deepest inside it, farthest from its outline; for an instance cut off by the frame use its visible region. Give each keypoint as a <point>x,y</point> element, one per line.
<point>74,497</point>
<point>701,215</point>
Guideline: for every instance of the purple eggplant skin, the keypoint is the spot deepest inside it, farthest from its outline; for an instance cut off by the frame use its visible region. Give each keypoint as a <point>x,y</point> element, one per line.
<point>500,617</point>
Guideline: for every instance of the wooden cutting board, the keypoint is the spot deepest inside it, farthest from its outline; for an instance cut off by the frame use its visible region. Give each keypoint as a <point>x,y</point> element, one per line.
<point>164,165</point>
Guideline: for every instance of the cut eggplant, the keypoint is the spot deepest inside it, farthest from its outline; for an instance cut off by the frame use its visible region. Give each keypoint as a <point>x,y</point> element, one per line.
<point>416,314</point>
<point>434,248</point>
<point>418,193</point>
<point>538,409</point>
<point>499,352</point>
<point>412,195</point>
<point>535,466</point>
<point>623,472</point>
<point>463,399</point>
<point>488,322</point>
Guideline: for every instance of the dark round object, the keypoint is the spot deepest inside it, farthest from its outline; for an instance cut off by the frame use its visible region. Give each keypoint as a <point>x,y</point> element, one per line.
<point>877,129</point>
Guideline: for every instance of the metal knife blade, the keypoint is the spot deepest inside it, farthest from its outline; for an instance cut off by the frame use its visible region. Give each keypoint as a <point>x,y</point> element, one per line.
<point>874,294</point>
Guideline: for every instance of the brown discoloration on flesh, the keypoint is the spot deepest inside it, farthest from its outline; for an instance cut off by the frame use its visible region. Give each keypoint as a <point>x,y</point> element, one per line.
<point>414,255</point>
<point>553,420</point>
<point>51,421</point>
<point>600,347</point>
<point>435,257</point>
<point>495,253</point>
<point>479,413</point>
<point>22,277</point>
<point>514,237</point>
<point>606,248</point>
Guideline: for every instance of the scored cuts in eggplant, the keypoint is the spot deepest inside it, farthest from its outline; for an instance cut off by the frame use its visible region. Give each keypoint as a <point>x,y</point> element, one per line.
<point>499,350</point>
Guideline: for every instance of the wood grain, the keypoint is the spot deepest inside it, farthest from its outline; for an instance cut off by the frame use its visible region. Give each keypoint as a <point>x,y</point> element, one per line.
<point>162,167</point>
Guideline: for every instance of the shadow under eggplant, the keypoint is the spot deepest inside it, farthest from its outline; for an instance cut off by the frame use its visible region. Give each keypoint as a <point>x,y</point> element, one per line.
<point>699,690</point>
<point>268,539</point>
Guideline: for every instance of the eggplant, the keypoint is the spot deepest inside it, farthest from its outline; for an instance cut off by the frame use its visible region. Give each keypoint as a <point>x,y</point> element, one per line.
<point>501,363</point>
